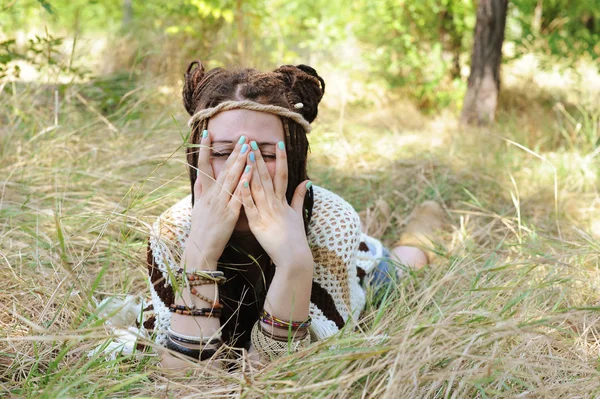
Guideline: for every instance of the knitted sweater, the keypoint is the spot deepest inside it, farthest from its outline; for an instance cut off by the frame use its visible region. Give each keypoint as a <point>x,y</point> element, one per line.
<point>341,259</point>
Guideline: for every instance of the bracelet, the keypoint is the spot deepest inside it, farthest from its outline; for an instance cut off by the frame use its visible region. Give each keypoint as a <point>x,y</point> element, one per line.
<point>200,281</point>
<point>194,340</point>
<point>192,311</point>
<point>267,318</point>
<point>175,338</point>
<point>202,273</point>
<point>284,338</point>
<point>214,276</point>
<point>195,280</point>
<point>196,354</point>
<point>217,335</point>
<point>215,303</point>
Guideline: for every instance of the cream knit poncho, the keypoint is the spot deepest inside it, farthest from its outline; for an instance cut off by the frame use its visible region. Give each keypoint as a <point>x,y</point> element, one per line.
<point>337,244</point>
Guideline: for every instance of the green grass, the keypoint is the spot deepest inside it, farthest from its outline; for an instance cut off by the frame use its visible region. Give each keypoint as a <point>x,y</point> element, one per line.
<point>511,307</point>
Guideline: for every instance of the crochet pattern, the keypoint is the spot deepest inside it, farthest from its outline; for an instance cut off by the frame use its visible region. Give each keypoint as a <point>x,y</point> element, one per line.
<point>337,245</point>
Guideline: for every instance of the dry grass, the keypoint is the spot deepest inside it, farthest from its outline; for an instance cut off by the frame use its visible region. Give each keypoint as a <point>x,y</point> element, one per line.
<point>510,310</point>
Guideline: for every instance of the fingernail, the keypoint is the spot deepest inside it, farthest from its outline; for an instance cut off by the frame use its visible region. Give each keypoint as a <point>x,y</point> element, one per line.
<point>246,184</point>
<point>252,157</point>
<point>281,145</point>
<point>242,140</point>
<point>254,145</point>
<point>308,185</point>
<point>244,148</point>
<point>247,169</point>
<point>204,134</point>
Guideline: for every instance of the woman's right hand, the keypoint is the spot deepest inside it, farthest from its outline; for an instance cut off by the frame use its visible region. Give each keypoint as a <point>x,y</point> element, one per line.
<point>217,204</point>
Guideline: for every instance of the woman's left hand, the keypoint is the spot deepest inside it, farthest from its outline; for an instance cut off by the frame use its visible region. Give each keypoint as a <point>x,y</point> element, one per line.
<point>278,227</point>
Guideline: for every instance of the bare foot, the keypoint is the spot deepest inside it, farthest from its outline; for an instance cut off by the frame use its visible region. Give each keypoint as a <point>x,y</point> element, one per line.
<point>415,247</point>
<point>412,257</point>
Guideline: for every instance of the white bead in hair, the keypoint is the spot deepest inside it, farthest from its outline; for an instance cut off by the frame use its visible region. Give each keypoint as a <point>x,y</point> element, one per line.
<point>298,105</point>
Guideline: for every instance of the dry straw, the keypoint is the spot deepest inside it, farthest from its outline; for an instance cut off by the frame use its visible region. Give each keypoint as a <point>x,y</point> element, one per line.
<point>510,311</point>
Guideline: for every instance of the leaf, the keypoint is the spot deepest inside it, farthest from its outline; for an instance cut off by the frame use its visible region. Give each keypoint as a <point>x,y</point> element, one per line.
<point>47,6</point>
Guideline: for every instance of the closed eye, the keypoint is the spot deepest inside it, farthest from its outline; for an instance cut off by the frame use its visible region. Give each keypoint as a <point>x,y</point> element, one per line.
<point>219,154</point>
<point>268,156</point>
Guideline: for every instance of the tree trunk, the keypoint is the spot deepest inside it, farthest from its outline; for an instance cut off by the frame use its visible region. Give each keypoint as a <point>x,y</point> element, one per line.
<point>484,81</point>
<point>451,41</point>
<point>536,23</point>
<point>127,14</point>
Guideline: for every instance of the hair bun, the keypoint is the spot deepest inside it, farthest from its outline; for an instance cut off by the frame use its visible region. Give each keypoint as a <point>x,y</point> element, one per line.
<point>192,82</point>
<point>312,72</point>
<point>304,86</point>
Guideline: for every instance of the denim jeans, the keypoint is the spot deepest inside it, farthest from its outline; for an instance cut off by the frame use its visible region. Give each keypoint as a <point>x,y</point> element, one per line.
<point>384,275</point>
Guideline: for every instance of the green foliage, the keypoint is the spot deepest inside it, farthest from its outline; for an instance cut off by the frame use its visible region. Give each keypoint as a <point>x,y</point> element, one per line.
<point>416,44</point>
<point>579,128</point>
<point>563,28</point>
<point>112,93</point>
<point>43,52</point>
<point>47,6</point>
<point>420,46</point>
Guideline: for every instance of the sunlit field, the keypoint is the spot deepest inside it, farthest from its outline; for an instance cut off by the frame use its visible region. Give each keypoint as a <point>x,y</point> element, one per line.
<point>510,308</point>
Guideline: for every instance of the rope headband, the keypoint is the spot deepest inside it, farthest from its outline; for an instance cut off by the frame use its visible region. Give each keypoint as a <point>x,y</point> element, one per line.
<point>253,106</point>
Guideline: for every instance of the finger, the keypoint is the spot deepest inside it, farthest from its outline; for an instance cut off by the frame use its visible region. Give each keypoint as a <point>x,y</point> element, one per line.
<point>232,170</point>
<point>256,187</point>
<point>299,194</point>
<point>263,172</point>
<point>247,199</point>
<point>236,200</point>
<point>281,171</point>
<point>205,176</point>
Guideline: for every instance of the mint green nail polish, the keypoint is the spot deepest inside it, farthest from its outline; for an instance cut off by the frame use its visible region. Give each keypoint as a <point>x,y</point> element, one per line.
<point>204,134</point>
<point>252,157</point>
<point>254,145</point>
<point>247,169</point>
<point>308,185</point>
<point>244,148</point>
<point>246,184</point>
<point>242,140</point>
<point>281,145</point>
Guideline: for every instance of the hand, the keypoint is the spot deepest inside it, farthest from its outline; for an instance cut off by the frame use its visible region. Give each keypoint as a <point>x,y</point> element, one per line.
<point>278,227</point>
<point>217,205</point>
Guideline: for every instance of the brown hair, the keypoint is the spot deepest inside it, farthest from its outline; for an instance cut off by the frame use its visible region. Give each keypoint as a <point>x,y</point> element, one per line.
<point>284,87</point>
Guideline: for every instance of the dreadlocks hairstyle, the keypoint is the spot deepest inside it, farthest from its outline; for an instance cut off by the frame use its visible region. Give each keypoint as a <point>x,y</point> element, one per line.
<point>298,89</point>
<point>285,87</point>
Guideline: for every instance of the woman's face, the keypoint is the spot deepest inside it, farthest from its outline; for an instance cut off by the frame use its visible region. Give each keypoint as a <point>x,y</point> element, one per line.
<point>227,127</point>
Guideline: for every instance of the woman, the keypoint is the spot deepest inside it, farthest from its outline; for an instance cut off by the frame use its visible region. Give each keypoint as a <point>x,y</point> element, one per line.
<point>258,257</point>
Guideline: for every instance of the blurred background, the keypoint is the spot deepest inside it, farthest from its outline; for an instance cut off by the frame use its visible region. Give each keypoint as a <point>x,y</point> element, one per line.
<point>419,48</point>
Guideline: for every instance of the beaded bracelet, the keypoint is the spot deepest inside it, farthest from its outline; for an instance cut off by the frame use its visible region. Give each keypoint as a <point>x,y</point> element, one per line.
<point>215,304</point>
<point>196,354</point>
<point>195,280</point>
<point>267,318</point>
<point>199,281</point>
<point>192,311</point>
<point>215,276</point>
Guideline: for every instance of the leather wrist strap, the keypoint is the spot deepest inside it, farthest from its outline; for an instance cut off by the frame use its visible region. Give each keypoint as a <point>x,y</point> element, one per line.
<point>195,354</point>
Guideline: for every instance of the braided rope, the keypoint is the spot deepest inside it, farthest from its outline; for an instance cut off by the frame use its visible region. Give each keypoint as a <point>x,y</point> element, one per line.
<point>253,106</point>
